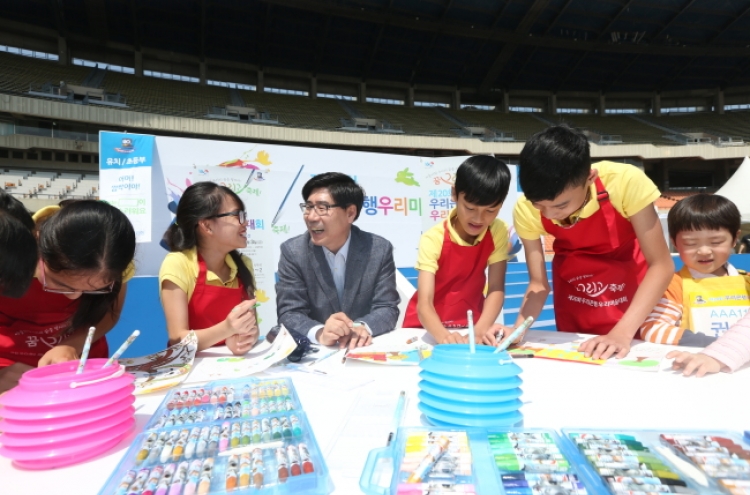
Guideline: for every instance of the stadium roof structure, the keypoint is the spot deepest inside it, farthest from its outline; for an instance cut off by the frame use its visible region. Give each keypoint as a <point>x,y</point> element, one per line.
<point>478,45</point>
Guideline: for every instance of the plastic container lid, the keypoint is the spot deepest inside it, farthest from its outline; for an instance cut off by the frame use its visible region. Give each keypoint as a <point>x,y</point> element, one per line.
<point>457,360</point>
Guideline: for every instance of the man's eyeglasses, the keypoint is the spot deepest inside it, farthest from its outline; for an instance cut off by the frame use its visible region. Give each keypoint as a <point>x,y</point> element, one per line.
<point>54,290</point>
<point>320,208</point>
<point>240,214</point>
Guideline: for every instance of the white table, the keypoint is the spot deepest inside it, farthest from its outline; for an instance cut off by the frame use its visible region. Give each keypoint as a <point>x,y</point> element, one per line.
<point>349,423</point>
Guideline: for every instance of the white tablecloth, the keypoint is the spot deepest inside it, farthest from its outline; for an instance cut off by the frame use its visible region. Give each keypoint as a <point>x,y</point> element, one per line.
<point>349,420</point>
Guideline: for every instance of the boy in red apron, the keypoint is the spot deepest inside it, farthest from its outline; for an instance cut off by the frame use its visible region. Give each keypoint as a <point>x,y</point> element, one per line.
<point>611,262</point>
<point>454,255</point>
<point>205,284</point>
<point>708,295</point>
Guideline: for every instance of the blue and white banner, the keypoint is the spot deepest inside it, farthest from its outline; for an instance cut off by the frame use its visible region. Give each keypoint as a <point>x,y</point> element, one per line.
<point>404,195</point>
<point>125,177</point>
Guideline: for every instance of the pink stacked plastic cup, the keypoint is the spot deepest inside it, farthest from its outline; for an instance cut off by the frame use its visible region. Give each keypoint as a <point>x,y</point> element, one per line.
<point>56,418</point>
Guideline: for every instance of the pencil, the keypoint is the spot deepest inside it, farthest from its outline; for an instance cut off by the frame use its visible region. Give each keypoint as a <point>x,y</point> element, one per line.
<point>122,348</point>
<point>472,338</point>
<point>281,206</point>
<point>250,177</point>
<point>513,336</point>
<point>86,349</point>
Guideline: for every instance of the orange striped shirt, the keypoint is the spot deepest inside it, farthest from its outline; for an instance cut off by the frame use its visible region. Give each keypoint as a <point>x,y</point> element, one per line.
<point>665,324</point>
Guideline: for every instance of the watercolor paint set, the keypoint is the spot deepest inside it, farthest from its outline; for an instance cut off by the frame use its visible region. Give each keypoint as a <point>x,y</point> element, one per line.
<point>477,461</point>
<point>659,462</point>
<point>237,436</point>
<point>225,400</point>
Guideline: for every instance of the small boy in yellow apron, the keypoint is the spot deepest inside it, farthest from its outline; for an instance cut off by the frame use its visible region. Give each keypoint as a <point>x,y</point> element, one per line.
<point>708,295</point>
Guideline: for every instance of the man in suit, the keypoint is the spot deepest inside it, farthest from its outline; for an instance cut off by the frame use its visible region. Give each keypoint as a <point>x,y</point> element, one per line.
<point>337,283</point>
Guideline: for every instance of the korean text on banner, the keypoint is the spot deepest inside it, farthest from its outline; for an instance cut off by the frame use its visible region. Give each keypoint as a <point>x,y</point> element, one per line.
<point>125,177</point>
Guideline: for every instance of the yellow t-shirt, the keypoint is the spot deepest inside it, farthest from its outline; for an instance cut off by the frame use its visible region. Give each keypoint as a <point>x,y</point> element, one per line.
<point>630,191</point>
<point>431,243</point>
<point>181,268</point>
<point>46,212</point>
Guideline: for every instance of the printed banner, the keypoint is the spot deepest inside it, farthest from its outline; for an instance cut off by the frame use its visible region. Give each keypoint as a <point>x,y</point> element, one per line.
<point>438,178</point>
<point>269,179</point>
<point>125,177</point>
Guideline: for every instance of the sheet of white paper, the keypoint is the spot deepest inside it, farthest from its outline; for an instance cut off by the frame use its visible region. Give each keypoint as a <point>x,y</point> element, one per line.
<point>643,356</point>
<point>260,358</point>
<point>329,381</point>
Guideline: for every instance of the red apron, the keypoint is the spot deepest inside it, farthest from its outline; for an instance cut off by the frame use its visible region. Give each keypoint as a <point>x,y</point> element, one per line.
<point>459,283</point>
<point>596,270</point>
<point>35,323</point>
<point>210,304</point>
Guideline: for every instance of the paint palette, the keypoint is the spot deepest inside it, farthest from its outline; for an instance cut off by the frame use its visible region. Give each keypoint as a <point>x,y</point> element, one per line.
<point>269,449</point>
<point>647,462</point>
<point>477,461</point>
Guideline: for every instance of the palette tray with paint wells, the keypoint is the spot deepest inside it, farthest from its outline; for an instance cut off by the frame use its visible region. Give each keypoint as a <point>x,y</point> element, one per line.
<point>652,461</point>
<point>479,461</point>
<point>268,453</point>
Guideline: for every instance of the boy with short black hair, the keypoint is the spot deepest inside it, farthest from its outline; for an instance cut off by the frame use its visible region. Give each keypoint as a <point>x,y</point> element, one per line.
<point>18,250</point>
<point>454,255</point>
<point>611,262</point>
<point>708,295</point>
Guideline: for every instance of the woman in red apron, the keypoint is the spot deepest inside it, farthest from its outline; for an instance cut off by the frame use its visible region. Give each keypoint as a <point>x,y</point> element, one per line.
<point>85,250</point>
<point>206,285</point>
<point>596,269</point>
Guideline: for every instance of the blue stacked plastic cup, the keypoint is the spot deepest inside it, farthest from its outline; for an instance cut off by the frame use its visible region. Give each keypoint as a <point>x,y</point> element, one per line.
<point>461,388</point>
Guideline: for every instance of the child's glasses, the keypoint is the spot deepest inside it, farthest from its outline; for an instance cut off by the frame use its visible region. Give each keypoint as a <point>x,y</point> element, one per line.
<point>55,290</point>
<point>240,214</point>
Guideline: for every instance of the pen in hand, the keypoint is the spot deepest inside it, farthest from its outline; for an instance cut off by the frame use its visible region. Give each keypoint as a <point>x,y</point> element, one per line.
<point>516,333</point>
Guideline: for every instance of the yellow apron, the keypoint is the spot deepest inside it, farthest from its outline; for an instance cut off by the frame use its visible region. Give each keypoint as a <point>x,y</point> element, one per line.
<point>714,304</point>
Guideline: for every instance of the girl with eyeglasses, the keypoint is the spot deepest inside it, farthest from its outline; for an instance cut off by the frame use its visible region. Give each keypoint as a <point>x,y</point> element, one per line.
<point>205,283</point>
<point>86,251</point>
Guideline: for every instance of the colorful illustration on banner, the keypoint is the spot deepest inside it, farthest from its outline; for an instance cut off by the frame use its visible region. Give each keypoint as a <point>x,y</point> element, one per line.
<point>260,296</point>
<point>286,196</point>
<point>406,177</point>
